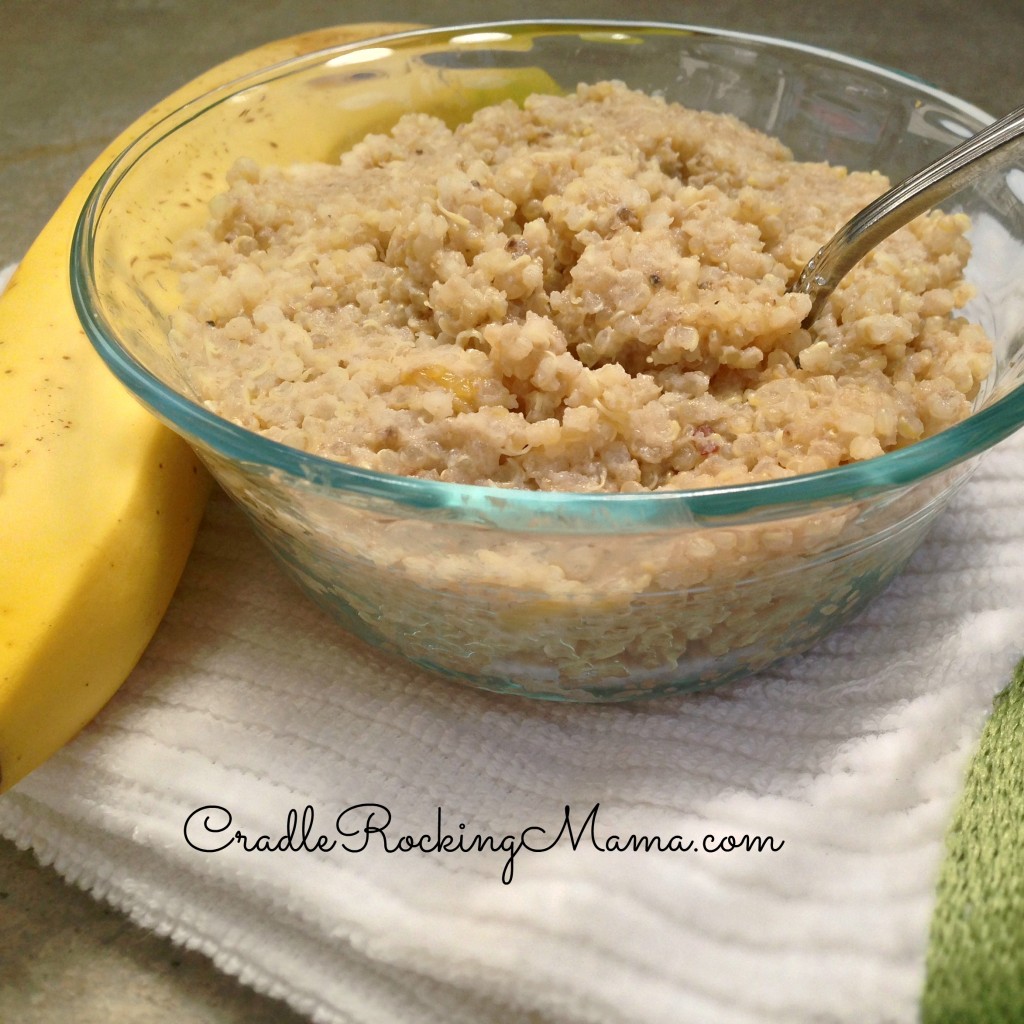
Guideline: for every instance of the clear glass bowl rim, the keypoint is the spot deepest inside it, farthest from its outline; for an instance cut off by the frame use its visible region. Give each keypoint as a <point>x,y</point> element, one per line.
<point>891,471</point>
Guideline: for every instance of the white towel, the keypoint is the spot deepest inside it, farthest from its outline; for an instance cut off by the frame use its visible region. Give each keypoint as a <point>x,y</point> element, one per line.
<point>250,700</point>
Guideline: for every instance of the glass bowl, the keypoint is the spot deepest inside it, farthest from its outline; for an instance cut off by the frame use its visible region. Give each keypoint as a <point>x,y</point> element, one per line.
<point>556,595</point>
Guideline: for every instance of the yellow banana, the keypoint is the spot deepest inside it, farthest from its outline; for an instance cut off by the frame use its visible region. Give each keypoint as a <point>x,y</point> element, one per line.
<point>99,503</point>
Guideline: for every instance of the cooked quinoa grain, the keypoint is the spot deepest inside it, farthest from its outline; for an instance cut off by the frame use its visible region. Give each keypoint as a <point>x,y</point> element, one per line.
<point>588,293</point>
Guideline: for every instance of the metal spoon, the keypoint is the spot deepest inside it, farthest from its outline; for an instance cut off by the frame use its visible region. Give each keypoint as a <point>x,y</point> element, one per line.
<point>988,149</point>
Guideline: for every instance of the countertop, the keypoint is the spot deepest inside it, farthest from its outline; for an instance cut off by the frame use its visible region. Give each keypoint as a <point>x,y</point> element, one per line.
<point>72,75</point>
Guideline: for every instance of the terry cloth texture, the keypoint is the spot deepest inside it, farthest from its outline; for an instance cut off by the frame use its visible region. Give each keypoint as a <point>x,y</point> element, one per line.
<point>250,706</point>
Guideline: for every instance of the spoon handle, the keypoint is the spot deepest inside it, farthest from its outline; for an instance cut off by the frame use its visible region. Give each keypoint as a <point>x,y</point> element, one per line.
<point>902,203</point>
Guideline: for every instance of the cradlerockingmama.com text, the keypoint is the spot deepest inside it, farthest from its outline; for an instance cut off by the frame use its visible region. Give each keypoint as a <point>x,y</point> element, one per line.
<point>368,827</point>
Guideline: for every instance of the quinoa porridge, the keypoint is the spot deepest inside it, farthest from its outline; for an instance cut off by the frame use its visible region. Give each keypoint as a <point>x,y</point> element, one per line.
<point>585,294</point>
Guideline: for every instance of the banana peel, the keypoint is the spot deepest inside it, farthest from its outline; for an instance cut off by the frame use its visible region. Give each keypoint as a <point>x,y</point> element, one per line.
<point>99,502</point>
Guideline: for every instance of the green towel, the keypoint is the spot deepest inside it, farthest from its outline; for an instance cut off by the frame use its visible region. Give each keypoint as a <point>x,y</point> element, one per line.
<point>975,966</point>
